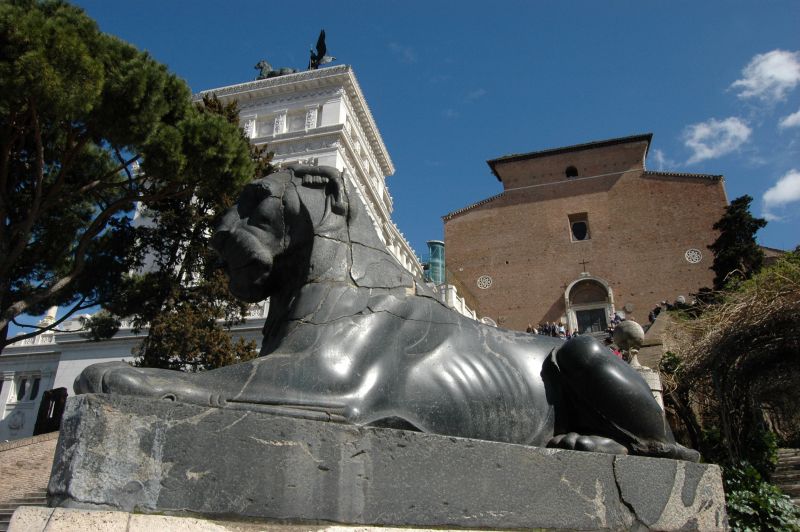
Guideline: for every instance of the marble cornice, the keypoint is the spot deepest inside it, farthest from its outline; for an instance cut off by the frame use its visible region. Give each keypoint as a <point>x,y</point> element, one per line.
<point>257,104</point>
<point>307,82</point>
<point>336,130</point>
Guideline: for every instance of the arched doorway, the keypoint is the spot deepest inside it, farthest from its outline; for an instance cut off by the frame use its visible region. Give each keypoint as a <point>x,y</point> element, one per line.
<point>589,303</point>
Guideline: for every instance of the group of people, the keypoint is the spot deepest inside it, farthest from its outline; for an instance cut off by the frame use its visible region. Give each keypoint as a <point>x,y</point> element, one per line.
<point>614,319</point>
<point>556,330</point>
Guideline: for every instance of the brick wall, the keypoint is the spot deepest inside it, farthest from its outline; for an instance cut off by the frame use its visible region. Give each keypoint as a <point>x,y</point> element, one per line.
<point>640,223</point>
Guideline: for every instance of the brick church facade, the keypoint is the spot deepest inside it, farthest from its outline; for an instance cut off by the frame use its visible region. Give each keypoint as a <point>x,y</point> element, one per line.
<point>582,232</point>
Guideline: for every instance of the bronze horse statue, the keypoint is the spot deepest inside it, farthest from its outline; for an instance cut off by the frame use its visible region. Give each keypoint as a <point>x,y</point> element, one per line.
<point>353,337</point>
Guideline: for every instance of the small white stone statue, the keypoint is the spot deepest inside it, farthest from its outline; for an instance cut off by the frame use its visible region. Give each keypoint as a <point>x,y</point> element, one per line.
<point>629,337</point>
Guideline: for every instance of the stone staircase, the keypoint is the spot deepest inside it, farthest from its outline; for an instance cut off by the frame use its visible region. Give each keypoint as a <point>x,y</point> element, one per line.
<point>787,473</point>
<point>32,498</point>
<point>25,466</point>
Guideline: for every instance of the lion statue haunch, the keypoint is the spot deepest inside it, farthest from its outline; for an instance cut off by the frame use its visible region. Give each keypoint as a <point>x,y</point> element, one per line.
<point>353,337</point>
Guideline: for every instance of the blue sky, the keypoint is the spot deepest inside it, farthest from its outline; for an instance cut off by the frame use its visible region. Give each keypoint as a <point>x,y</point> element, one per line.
<point>453,84</point>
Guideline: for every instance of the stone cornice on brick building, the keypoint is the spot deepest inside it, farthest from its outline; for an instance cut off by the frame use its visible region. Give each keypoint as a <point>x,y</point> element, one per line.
<point>453,214</point>
<point>647,137</point>
<point>656,173</point>
<point>631,139</point>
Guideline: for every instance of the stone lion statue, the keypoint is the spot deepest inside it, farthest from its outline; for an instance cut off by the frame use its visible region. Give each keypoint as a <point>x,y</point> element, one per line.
<point>352,337</point>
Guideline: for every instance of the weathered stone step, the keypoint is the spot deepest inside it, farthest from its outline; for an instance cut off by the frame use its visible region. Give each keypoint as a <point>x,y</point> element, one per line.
<point>25,501</point>
<point>36,493</point>
<point>788,450</point>
<point>10,507</point>
<point>7,508</point>
<point>786,470</point>
<point>784,474</point>
<point>792,491</point>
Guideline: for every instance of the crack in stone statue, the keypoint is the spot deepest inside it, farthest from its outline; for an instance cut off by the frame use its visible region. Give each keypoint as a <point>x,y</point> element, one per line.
<point>352,337</point>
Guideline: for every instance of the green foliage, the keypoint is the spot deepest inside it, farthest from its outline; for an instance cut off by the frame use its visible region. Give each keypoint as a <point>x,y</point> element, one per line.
<point>182,295</point>
<point>754,504</point>
<point>77,109</point>
<point>736,254</point>
<point>187,335</point>
<point>101,325</point>
<point>760,450</point>
<point>784,272</point>
<point>734,373</point>
<point>669,363</point>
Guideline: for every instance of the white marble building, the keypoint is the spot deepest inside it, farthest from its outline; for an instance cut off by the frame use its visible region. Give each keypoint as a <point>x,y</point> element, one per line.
<point>54,360</point>
<point>321,117</point>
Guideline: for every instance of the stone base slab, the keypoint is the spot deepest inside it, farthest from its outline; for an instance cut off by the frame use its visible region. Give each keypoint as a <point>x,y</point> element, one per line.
<point>149,456</point>
<point>38,519</point>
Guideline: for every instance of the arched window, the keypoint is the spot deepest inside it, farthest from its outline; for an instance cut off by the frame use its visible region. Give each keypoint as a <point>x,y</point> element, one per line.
<point>571,171</point>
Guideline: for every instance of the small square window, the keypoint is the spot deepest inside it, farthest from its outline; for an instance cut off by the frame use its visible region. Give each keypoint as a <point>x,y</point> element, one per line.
<point>579,227</point>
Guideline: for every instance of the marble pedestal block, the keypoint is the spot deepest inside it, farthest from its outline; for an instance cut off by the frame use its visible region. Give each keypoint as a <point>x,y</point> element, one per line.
<point>132,454</point>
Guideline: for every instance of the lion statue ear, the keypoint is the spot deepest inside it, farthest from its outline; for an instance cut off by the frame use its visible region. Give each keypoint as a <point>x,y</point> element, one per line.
<point>329,177</point>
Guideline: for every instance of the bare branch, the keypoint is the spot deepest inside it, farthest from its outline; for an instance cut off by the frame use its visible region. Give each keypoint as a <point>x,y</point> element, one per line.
<point>127,170</point>
<point>52,327</point>
<point>97,225</point>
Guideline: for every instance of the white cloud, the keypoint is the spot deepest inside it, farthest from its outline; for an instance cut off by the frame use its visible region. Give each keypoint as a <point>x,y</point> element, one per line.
<point>769,76</point>
<point>405,54</point>
<point>785,191</point>
<point>715,138</point>
<point>474,95</point>
<point>661,161</point>
<point>792,120</point>
<point>450,113</point>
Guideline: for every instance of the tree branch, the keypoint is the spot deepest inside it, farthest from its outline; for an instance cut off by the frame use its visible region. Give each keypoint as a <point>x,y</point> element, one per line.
<point>66,163</point>
<point>97,225</point>
<point>22,234</point>
<point>125,167</point>
<point>5,156</point>
<point>52,327</point>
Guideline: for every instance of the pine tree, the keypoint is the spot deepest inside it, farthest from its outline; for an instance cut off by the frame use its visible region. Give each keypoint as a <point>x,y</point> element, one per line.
<point>736,254</point>
<point>78,110</point>
<point>182,297</point>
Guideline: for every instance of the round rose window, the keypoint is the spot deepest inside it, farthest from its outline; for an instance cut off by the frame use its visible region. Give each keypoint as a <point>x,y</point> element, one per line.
<point>693,255</point>
<point>484,282</point>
